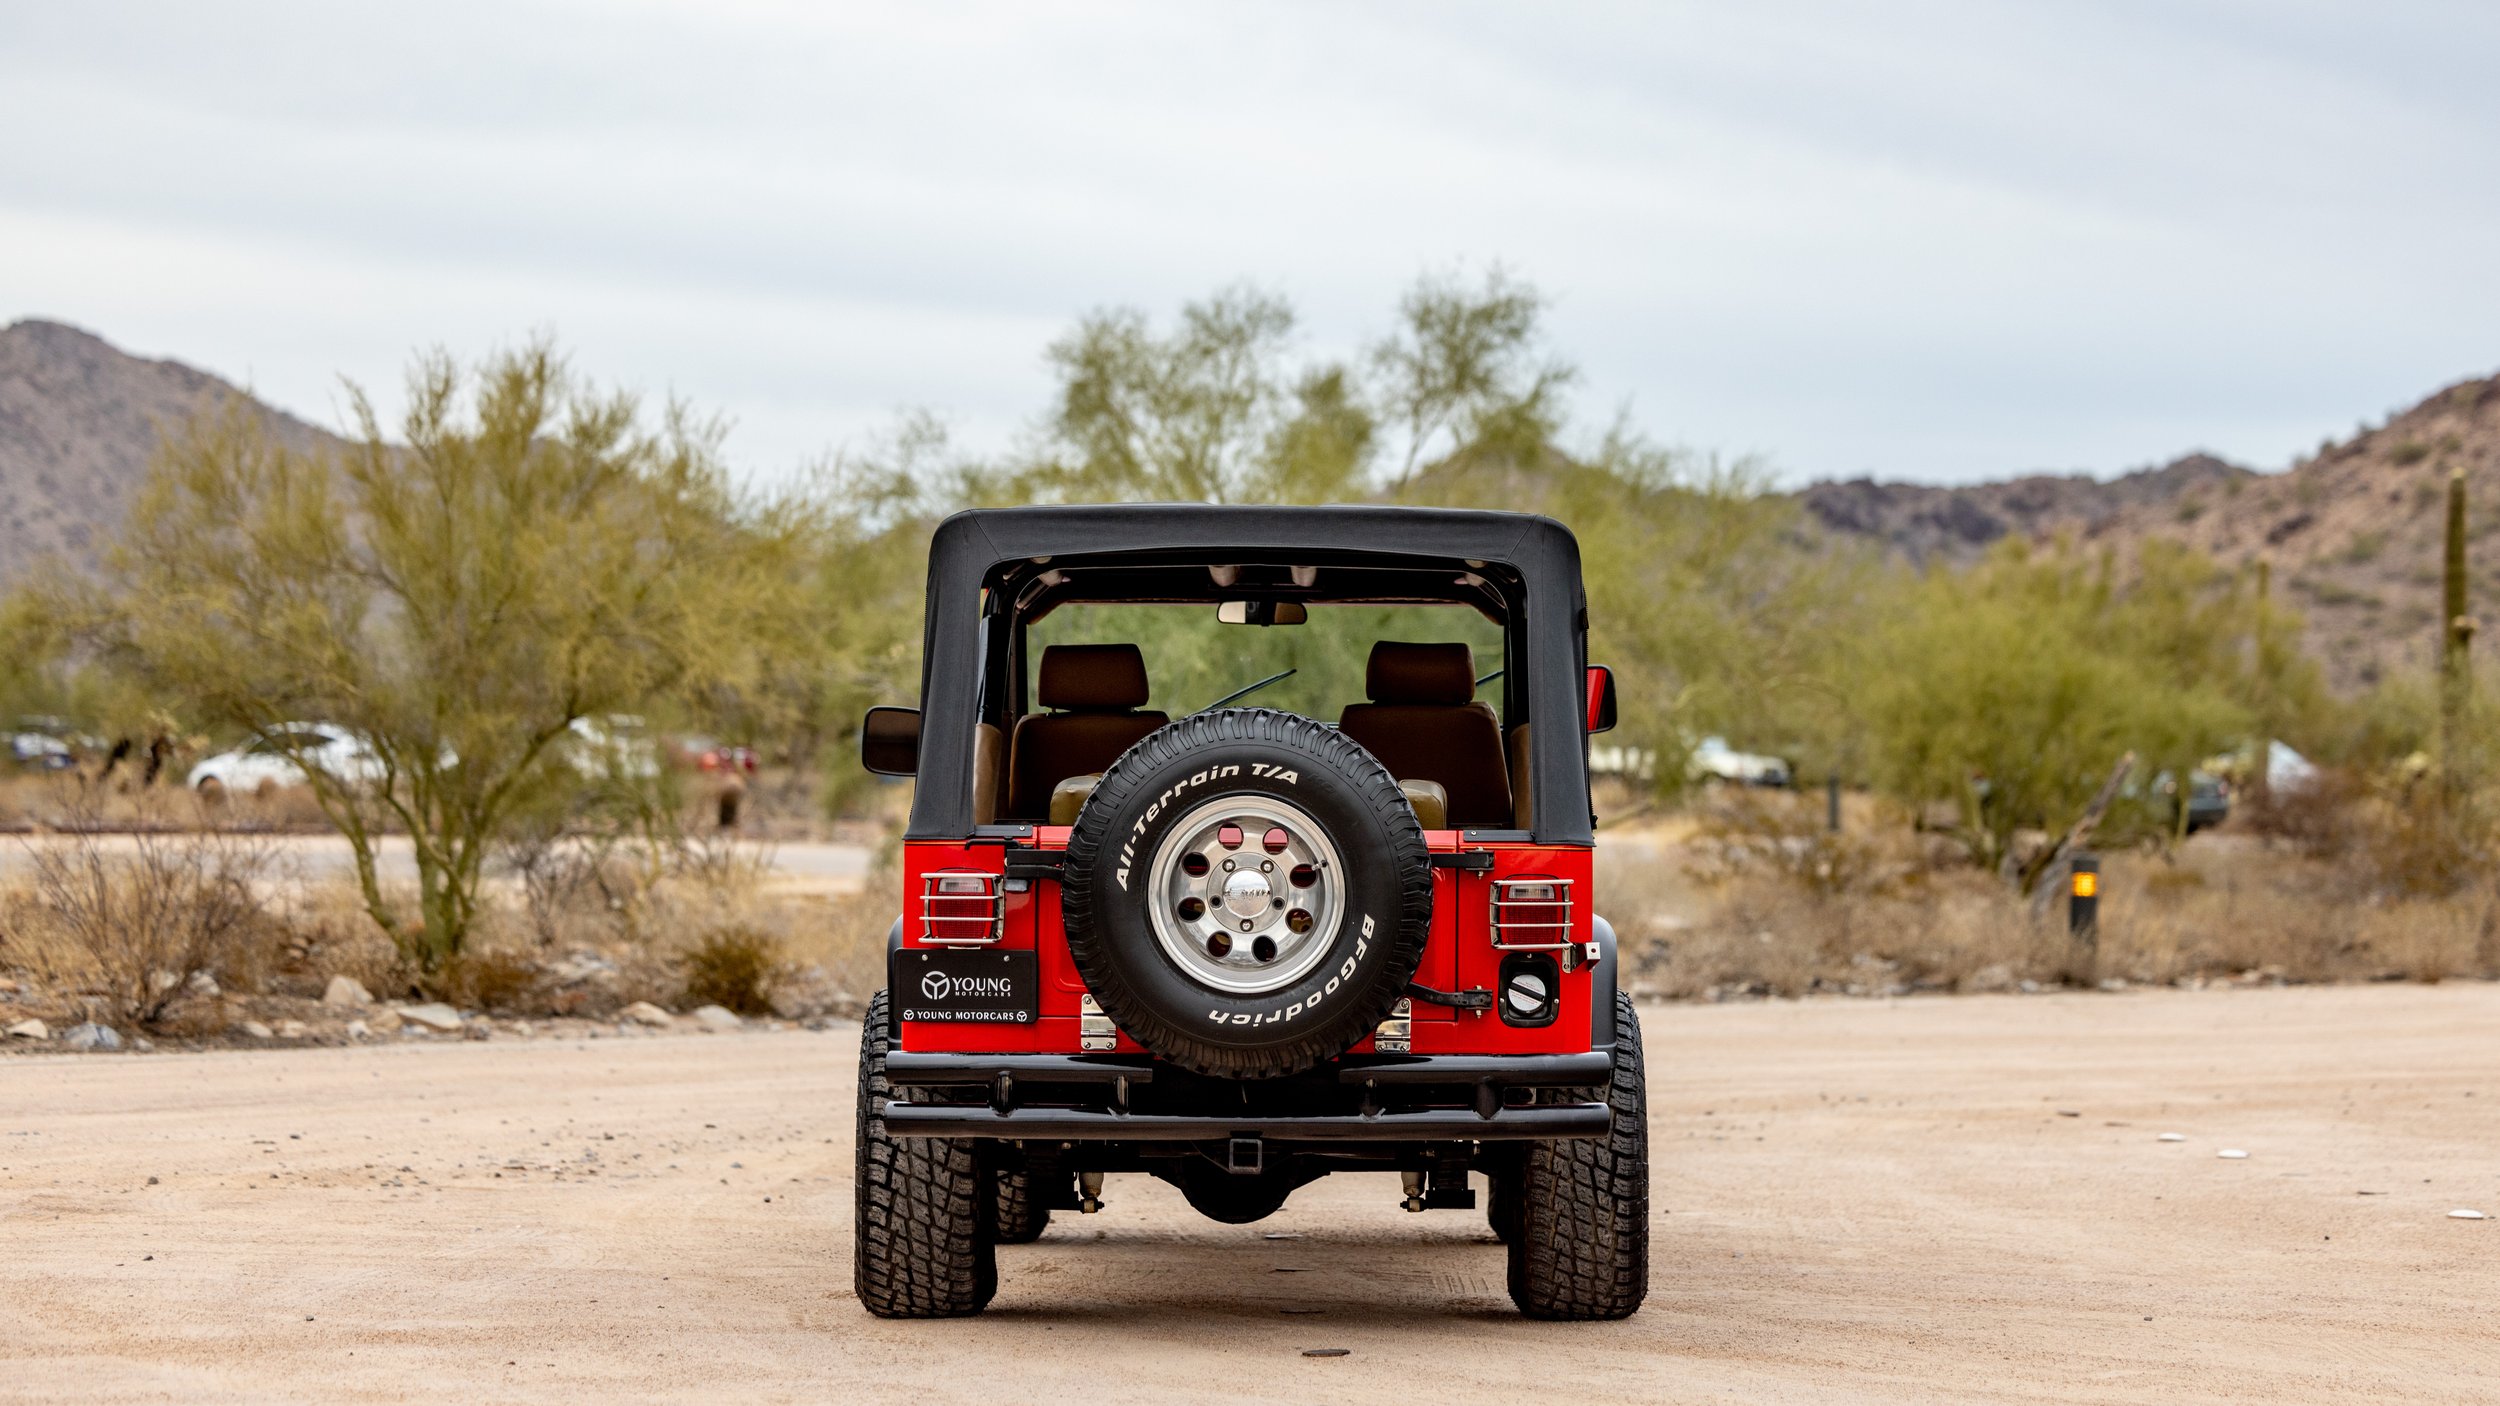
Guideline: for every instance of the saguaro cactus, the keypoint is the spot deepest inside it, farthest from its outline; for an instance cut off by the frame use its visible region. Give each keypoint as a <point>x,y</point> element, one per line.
<point>2456,677</point>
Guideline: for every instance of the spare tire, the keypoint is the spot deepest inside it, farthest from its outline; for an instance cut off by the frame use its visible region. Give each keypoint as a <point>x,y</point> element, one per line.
<point>1247,893</point>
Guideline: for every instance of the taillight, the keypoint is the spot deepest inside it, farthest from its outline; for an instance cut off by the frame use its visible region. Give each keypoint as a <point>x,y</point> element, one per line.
<point>961,908</point>
<point>1531,914</point>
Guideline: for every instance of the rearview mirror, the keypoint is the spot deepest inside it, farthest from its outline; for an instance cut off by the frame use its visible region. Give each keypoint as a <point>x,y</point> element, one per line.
<point>889,741</point>
<point>1262,612</point>
<point>1601,698</point>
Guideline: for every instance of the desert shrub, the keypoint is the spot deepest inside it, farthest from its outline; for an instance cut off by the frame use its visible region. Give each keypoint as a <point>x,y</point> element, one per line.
<point>735,967</point>
<point>2318,820</point>
<point>489,976</point>
<point>140,911</point>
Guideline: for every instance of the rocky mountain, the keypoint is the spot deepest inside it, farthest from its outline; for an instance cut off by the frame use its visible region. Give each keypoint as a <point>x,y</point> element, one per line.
<point>80,420</point>
<point>2353,533</point>
<point>1924,522</point>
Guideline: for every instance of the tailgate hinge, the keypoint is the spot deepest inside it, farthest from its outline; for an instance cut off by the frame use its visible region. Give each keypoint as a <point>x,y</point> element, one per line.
<point>1026,865</point>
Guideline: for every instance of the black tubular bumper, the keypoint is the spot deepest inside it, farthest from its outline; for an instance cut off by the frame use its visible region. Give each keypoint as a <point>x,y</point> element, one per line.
<point>1540,1123</point>
<point>1364,1099</point>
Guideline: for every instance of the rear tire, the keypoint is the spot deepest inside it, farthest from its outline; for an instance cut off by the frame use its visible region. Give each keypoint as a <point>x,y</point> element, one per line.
<point>921,1234</point>
<point>1580,1249</point>
<point>1017,1206</point>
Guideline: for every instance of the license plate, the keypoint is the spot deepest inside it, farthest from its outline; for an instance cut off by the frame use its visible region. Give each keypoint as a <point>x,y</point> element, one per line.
<point>997,988</point>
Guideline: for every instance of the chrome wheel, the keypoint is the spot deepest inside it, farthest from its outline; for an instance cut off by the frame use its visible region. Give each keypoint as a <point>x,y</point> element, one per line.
<point>1246,894</point>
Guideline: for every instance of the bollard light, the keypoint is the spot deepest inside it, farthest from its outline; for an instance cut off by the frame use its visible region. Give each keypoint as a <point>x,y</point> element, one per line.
<point>2083,899</point>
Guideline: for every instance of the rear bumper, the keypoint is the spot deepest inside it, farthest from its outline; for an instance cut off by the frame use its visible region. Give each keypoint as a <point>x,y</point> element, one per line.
<point>1361,1099</point>
<point>1540,1123</point>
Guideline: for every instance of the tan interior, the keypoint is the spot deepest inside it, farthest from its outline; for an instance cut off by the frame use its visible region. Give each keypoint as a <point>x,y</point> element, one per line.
<point>1424,724</point>
<point>1431,804</point>
<point>1070,796</point>
<point>989,753</point>
<point>1098,692</point>
<point>1445,748</point>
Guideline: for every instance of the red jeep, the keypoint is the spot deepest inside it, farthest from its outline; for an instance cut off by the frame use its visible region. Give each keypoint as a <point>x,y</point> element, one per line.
<point>1245,947</point>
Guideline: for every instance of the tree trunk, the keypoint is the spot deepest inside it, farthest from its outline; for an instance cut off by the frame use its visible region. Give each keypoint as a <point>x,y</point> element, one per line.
<point>2079,832</point>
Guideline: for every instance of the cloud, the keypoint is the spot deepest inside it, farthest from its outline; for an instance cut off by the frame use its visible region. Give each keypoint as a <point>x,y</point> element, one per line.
<point>1933,240</point>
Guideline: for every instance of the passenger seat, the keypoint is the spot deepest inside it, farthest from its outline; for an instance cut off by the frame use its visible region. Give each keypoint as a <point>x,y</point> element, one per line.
<point>1098,690</point>
<point>1424,725</point>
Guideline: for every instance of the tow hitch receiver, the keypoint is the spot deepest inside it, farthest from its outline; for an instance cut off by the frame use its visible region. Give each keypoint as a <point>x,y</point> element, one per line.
<point>1243,1157</point>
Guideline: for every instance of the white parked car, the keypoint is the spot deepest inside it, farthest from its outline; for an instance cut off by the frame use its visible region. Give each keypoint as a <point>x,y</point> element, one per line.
<point>268,761</point>
<point>1714,760</point>
<point>616,747</point>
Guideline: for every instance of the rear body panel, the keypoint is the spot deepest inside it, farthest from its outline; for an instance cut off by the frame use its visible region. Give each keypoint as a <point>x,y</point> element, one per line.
<point>1460,955</point>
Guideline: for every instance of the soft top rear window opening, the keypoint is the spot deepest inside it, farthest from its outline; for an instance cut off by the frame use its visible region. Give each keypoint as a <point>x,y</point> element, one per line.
<point>987,579</point>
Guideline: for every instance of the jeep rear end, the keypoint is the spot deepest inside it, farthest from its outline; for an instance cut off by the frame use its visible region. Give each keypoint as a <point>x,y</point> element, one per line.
<point>1249,946</point>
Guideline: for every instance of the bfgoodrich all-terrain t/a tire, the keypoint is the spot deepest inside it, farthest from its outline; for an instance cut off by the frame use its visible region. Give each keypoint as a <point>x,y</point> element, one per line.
<point>1579,1246</point>
<point>921,1240</point>
<point>1247,893</point>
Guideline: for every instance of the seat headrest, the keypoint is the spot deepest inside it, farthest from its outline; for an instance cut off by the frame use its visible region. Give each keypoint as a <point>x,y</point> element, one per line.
<point>1440,674</point>
<point>1093,678</point>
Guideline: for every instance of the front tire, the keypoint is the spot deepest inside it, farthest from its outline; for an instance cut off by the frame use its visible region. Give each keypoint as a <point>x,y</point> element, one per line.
<point>1580,1243</point>
<point>922,1242</point>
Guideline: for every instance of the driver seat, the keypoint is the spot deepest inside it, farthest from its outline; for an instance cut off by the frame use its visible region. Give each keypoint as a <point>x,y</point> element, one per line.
<point>1099,692</point>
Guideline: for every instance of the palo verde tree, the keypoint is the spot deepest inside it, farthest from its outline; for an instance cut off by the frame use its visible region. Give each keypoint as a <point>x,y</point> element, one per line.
<point>528,554</point>
<point>1210,412</point>
<point>2007,692</point>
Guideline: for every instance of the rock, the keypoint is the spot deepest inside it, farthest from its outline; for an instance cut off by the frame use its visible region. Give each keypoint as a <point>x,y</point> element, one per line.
<point>142,1043</point>
<point>716,1018</point>
<point>645,1013</point>
<point>2113,983</point>
<point>91,1036</point>
<point>382,1022</point>
<point>1997,976</point>
<point>358,1030</point>
<point>30,1030</point>
<point>523,1029</point>
<point>584,967</point>
<point>202,985</point>
<point>433,1015</point>
<point>256,1030</point>
<point>2171,1137</point>
<point>2462,1213</point>
<point>478,1029</point>
<point>293,1030</point>
<point>346,993</point>
<point>2233,1153</point>
<point>2028,986</point>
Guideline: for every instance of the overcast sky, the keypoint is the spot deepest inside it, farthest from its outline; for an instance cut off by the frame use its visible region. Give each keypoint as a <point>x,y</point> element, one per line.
<point>1942,241</point>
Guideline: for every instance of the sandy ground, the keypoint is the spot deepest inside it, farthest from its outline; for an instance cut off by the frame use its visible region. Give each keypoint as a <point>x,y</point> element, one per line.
<point>1856,1201</point>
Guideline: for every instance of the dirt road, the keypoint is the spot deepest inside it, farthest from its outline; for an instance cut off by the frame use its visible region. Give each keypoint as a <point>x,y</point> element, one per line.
<point>1857,1201</point>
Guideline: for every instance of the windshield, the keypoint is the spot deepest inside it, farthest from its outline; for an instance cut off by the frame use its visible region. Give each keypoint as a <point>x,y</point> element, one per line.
<point>1193,660</point>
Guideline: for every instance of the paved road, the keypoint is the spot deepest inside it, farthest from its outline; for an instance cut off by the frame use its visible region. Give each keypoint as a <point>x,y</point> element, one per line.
<point>811,865</point>
<point>1857,1201</point>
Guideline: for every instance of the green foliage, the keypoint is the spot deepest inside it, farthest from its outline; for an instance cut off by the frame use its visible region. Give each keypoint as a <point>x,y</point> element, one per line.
<point>529,554</point>
<point>1463,371</point>
<point>1206,413</point>
<point>2008,692</point>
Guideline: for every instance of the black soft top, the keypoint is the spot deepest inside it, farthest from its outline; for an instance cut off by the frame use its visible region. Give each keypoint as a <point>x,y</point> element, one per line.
<point>970,550</point>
